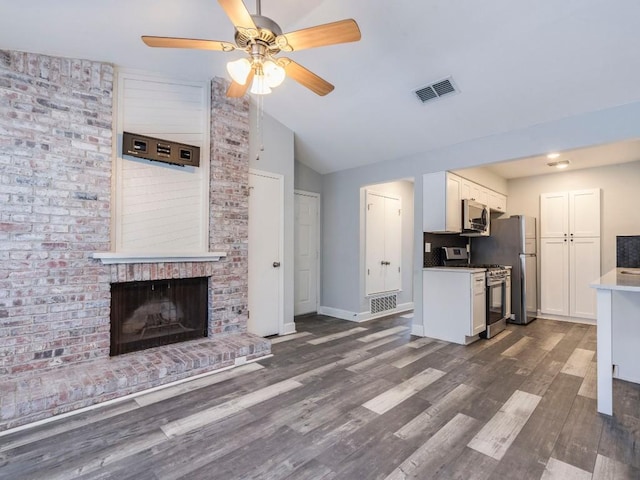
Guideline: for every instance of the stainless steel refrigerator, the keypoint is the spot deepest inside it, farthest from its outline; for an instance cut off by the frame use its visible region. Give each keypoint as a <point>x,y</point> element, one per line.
<point>513,242</point>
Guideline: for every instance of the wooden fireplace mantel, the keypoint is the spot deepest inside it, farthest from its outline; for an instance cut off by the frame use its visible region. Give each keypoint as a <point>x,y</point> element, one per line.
<point>112,258</point>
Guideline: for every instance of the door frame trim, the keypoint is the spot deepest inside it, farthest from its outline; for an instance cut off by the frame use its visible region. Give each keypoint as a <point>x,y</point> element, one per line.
<point>318,239</point>
<point>280,178</point>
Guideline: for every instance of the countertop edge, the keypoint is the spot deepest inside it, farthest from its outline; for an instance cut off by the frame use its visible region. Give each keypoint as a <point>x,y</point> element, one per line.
<point>454,269</point>
<point>615,280</point>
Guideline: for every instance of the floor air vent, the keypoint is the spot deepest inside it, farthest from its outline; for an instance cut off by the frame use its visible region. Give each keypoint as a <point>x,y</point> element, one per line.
<point>436,90</point>
<point>383,304</point>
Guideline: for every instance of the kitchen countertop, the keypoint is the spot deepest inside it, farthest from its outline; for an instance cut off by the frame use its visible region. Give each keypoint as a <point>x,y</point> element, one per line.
<point>453,269</point>
<point>617,279</point>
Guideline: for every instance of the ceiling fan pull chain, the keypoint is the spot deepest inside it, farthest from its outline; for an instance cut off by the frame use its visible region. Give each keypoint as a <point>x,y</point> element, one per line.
<point>259,121</point>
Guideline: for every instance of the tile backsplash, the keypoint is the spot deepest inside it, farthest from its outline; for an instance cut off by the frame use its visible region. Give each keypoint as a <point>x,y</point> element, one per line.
<point>628,251</point>
<point>435,257</point>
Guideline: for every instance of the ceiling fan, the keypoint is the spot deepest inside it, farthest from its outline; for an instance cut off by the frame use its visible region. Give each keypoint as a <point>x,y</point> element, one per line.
<point>262,39</point>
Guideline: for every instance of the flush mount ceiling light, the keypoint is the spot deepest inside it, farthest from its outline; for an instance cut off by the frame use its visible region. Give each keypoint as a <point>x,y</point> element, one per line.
<point>553,156</point>
<point>559,164</point>
<point>262,39</point>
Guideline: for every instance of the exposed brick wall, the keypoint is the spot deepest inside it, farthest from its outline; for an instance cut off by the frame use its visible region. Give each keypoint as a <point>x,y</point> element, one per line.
<point>55,206</point>
<point>229,197</point>
<point>55,189</point>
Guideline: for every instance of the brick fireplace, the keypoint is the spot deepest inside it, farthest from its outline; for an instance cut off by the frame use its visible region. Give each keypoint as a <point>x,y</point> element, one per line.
<point>56,139</point>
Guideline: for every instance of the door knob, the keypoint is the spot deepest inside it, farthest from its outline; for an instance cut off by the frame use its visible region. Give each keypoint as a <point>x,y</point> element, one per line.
<point>276,264</point>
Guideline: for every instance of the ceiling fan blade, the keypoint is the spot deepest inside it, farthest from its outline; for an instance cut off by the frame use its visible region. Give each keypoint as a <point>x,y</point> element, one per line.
<point>343,31</point>
<point>306,77</point>
<point>239,16</point>
<point>172,42</point>
<point>236,90</point>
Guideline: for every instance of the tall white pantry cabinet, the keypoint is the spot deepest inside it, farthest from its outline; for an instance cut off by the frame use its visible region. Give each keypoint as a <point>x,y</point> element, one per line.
<point>569,252</point>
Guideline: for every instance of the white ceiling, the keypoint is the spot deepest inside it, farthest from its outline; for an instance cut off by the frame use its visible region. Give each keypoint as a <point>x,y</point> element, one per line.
<point>601,155</point>
<point>516,63</point>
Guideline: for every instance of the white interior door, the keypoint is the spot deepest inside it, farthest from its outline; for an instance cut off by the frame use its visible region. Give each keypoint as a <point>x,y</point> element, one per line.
<point>393,243</point>
<point>383,243</point>
<point>306,254</point>
<point>374,244</point>
<point>265,253</point>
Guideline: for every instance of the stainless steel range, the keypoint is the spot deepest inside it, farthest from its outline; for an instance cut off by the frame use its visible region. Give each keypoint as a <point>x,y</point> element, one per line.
<point>498,288</point>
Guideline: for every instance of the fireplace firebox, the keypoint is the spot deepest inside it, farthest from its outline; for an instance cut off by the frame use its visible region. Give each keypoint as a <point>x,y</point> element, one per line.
<point>152,313</point>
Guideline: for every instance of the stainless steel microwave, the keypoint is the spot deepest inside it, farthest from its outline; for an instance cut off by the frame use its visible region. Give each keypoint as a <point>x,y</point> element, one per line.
<point>475,219</point>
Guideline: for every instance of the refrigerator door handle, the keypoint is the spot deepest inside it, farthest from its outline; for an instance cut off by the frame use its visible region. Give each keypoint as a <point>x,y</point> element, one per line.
<point>523,287</point>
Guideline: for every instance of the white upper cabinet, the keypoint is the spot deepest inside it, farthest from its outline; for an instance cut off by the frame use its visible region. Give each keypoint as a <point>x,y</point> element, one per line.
<point>443,193</point>
<point>472,191</point>
<point>554,215</point>
<point>584,213</point>
<point>570,214</point>
<point>497,202</point>
<point>442,203</point>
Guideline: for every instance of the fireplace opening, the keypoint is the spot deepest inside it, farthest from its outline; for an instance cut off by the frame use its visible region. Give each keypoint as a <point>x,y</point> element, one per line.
<point>158,312</point>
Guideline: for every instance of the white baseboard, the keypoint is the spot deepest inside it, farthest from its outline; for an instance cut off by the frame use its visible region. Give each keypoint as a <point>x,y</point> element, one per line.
<point>288,328</point>
<point>363,316</point>
<point>417,329</point>
<point>561,318</point>
<point>338,313</point>
<point>403,307</point>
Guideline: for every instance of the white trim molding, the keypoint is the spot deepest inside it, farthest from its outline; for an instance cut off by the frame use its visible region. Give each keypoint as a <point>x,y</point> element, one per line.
<point>417,329</point>
<point>111,258</point>
<point>363,316</point>
<point>288,328</point>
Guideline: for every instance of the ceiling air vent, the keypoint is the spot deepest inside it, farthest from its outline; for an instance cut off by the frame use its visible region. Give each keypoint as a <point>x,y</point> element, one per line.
<point>436,90</point>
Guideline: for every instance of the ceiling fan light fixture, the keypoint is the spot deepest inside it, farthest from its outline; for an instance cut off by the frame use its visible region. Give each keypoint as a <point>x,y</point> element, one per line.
<point>239,70</point>
<point>274,74</point>
<point>259,85</point>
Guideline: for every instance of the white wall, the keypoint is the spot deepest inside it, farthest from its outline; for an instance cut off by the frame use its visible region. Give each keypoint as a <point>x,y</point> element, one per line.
<point>620,205</point>
<point>402,189</point>
<point>277,157</point>
<point>307,179</point>
<point>340,230</point>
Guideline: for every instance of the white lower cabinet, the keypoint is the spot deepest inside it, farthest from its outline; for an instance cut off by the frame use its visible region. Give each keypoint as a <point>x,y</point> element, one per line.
<point>454,304</point>
<point>568,266</point>
<point>584,268</point>
<point>554,276</point>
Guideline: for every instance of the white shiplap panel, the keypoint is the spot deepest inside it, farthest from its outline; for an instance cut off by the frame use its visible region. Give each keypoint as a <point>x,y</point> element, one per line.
<point>144,87</point>
<point>163,207</point>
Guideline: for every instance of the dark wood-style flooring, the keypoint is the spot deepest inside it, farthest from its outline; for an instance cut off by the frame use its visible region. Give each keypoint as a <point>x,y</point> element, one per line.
<point>340,400</point>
